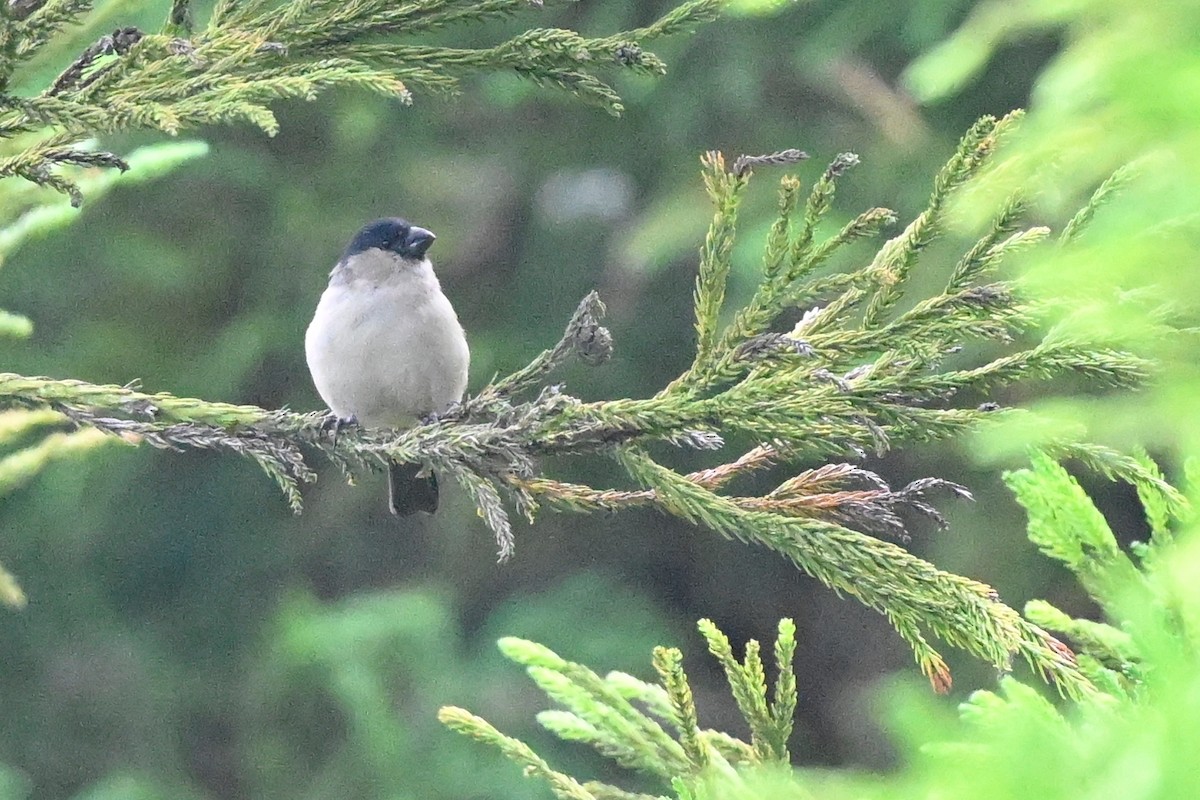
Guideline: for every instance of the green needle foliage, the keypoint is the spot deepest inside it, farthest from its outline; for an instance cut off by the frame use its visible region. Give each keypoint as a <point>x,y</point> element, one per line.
<point>248,55</point>
<point>1137,730</point>
<point>1111,656</point>
<point>255,52</point>
<point>858,373</point>
<point>1138,734</point>
<point>651,728</point>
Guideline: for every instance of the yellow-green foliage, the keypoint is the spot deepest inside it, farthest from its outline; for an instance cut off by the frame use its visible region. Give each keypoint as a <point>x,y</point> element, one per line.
<point>1134,737</point>
<point>250,54</point>
<point>623,718</point>
<point>247,55</point>
<point>856,374</point>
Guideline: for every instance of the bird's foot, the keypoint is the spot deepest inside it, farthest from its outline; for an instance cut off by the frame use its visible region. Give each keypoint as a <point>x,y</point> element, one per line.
<point>451,413</point>
<point>454,412</point>
<point>333,425</point>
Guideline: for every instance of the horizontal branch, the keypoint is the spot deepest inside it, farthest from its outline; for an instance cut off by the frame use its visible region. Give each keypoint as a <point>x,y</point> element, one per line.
<point>252,54</point>
<point>852,376</point>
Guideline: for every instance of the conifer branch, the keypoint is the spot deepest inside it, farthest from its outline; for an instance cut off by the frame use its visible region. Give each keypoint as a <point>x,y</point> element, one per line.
<point>1104,192</point>
<point>748,681</point>
<point>252,54</point>
<point>979,258</point>
<point>1066,525</point>
<point>564,786</point>
<point>896,258</point>
<point>599,712</point>
<point>1149,626</point>
<point>668,663</point>
<point>832,386</point>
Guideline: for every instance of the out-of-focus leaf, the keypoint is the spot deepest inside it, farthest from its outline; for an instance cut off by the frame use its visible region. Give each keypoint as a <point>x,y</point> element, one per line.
<point>145,163</point>
<point>15,325</point>
<point>12,596</point>
<point>17,468</point>
<point>750,8</point>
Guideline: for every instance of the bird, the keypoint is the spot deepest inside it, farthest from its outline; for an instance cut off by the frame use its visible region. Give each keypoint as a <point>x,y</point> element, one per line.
<point>385,347</point>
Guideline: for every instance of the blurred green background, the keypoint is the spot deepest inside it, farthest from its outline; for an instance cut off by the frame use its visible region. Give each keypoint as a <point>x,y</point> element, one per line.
<point>187,636</point>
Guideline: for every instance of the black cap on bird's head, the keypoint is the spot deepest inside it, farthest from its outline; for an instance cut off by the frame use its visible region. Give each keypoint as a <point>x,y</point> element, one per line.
<point>394,235</point>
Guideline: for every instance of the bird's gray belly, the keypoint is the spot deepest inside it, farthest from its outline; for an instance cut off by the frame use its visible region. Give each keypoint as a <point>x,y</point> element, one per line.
<point>386,365</point>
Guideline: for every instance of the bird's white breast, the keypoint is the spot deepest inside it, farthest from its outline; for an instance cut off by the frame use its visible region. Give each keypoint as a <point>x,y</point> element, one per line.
<point>385,345</point>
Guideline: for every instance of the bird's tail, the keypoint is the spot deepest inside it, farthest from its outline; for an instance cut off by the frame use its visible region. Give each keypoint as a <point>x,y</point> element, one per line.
<point>409,492</point>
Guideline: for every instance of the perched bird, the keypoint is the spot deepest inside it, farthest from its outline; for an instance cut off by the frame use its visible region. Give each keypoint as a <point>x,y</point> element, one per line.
<point>385,348</point>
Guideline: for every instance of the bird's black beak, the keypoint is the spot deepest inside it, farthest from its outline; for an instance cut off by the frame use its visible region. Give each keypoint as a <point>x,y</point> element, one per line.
<point>418,241</point>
